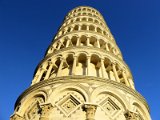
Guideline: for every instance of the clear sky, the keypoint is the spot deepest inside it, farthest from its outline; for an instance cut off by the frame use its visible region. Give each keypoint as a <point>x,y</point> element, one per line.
<point>28,26</point>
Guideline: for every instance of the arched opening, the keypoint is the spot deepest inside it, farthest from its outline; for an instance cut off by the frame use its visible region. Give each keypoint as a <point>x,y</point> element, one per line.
<point>81,66</point>
<point>104,32</point>
<point>109,46</point>
<point>108,69</point>
<point>84,9</point>
<point>95,66</point>
<point>89,9</point>
<point>90,19</point>
<point>99,30</point>
<point>93,41</point>
<point>76,27</point>
<point>102,44</point>
<point>69,29</point>
<point>84,14</point>
<point>84,27</point>
<point>78,19</point>
<point>67,70</point>
<point>65,41</point>
<point>89,14</point>
<point>55,67</point>
<point>96,21</point>
<point>84,19</point>
<point>91,28</point>
<point>74,40</point>
<point>83,40</point>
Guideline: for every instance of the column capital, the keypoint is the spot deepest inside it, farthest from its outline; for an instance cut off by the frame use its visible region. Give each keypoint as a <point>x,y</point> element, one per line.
<point>129,115</point>
<point>90,110</point>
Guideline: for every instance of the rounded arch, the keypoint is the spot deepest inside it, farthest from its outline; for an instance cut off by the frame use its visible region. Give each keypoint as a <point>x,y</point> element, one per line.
<point>83,40</point>
<point>91,28</point>
<point>77,19</point>
<point>95,54</point>
<point>74,40</point>
<point>84,19</point>
<point>112,92</point>
<point>81,53</point>
<point>90,19</point>
<point>84,27</point>
<point>76,27</point>
<point>81,68</point>
<point>141,110</point>
<point>69,87</point>
<point>42,94</point>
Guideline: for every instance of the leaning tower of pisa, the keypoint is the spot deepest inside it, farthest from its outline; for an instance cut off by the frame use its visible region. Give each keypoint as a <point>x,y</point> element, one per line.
<point>82,76</point>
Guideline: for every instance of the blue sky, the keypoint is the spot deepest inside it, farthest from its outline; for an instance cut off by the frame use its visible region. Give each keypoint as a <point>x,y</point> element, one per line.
<point>28,26</point>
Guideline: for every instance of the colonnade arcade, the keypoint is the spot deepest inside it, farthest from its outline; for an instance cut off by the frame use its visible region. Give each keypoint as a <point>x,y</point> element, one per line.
<point>85,19</point>
<point>83,64</point>
<point>84,40</point>
<point>84,27</point>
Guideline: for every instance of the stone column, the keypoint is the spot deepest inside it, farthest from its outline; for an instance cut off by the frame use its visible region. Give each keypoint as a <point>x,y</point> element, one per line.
<point>59,45</point>
<point>98,45</point>
<point>79,27</point>
<point>87,41</point>
<point>125,78</point>
<point>72,28</point>
<point>115,72</point>
<point>40,75</point>
<point>132,116</point>
<point>104,74</point>
<point>131,83</point>
<point>60,68</point>
<point>90,110</point>
<point>78,41</point>
<point>74,65</point>
<point>49,70</point>
<point>16,117</point>
<point>88,65</point>
<point>67,44</point>
<point>45,111</point>
<point>107,47</point>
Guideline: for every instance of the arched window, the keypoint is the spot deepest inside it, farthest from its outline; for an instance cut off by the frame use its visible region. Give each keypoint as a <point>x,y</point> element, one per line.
<point>84,14</point>
<point>84,27</point>
<point>81,68</point>
<point>76,27</point>
<point>90,19</point>
<point>93,41</point>
<point>95,66</point>
<point>89,14</point>
<point>69,29</point>
<point>99,30</point>
<point>91,28</point>
<point>84,19</point>
<point>74,40</point>
<point>108,71</point>
<point>83,40</point>
<point>78,19</point>
<point>96,21</point>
